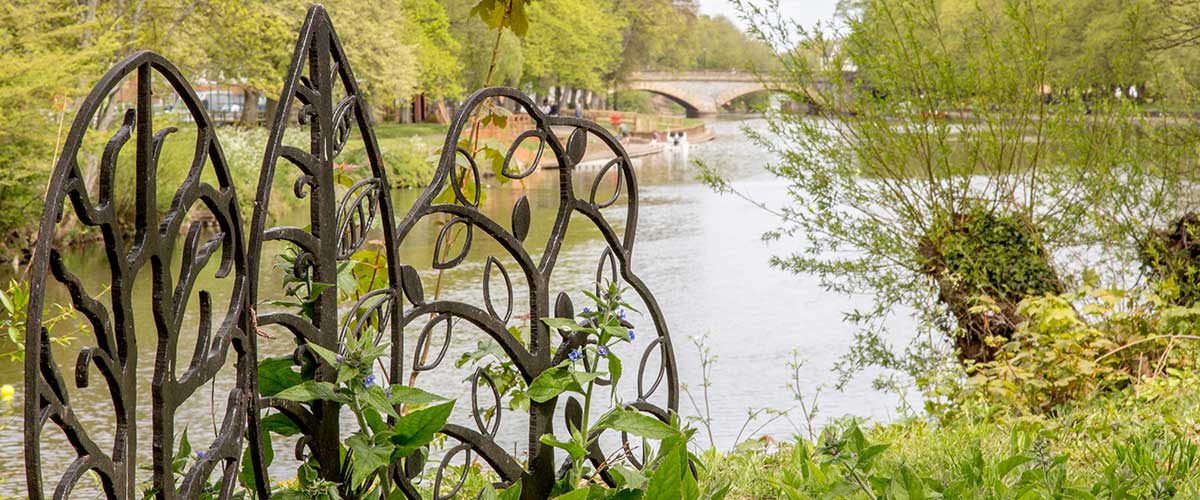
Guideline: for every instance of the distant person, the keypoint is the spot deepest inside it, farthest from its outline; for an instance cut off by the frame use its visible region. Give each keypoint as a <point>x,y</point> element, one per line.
<point>545,107</point>
<point>615,120</point>
<point>578,111</point>
<point>554,109</point>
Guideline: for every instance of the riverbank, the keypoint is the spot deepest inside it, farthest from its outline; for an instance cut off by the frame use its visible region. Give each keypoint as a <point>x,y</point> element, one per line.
<point>1138,443</point>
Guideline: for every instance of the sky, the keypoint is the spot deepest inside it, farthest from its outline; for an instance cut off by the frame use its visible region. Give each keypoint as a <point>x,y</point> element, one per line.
<point>808,12</point>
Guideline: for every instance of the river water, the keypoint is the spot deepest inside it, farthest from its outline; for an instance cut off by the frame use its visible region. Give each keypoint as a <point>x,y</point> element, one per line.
<point>703,257</point>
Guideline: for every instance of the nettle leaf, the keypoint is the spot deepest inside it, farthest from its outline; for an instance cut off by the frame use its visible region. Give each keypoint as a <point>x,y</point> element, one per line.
<point>311,390</point>
<point>571,447</point>
<point>636,423</point>
<point>417,428</point>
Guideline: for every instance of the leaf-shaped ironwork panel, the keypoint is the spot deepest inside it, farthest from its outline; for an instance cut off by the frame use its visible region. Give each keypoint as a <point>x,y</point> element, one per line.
<point>175,259</point>
<point>346,208</point>
<point>464,223</point>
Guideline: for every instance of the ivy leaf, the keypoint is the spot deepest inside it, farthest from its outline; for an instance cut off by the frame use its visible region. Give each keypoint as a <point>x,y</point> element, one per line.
<point>636,423</point>
<point>417,428</point>
<point>311,390</point>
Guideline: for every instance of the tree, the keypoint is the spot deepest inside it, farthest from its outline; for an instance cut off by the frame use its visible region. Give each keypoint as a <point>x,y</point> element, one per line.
<point>437,49</point>
<point>45,47</point>
<point>572,43</point>
<point>476,44</point>
<point>941,179</point>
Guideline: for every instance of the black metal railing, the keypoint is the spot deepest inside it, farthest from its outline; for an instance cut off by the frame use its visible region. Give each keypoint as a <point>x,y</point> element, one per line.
<point>320,94</point>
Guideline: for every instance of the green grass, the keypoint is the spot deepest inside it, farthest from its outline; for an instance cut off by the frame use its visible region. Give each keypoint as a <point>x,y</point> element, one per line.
<point>399,130</point>
<point>1117,447</point>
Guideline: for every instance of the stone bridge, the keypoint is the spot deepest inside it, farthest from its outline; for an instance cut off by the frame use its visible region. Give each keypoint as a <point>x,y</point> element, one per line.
<point>700,93</point>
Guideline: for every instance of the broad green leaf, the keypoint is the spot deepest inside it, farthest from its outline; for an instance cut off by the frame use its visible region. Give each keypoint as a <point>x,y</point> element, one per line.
<point>512,492</point>
<point>579,494</point>
<point>375,398</point>
<point>673,478</point>
<point>614,369</point>
<point>572,448</point>
<point>325,354</point>
<point>280,424</point>
<point>550,383</point>
<point>562,324</point>
<point>417,428</point>
<point>367,458</point>
<point>636,423</point>
<point>413,396</point>
<point>617,331</point>
<point>1011,463</point>
<point>276,374</point>
<point>311,390</point>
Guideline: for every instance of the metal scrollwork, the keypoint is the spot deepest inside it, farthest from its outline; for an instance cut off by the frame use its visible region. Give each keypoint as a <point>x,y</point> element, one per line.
<point>111,352</point>
<point>463,223</point>
<point>322,87</point>
<point>321,96</point>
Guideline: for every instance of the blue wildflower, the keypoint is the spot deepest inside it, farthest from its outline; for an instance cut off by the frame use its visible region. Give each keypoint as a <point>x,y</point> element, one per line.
<point>631,336</point>
<point>574,355</point>
<point>370,380</point>
<point>587,310</point>
<point>388,392</point>
<point>199,455</point>
<point>339,358</point>
<point>603,351</point>
<point>621,312</point>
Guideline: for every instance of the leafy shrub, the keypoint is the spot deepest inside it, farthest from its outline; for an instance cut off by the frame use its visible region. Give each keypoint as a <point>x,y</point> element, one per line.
<point>984,264</point>
<point>1073,346</point>
<point>1122,447</point>
<point>408,162</point>
<point>1172,256</point>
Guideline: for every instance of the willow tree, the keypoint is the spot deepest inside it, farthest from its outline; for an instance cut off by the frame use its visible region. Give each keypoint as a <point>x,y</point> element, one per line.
<point>951,171</point>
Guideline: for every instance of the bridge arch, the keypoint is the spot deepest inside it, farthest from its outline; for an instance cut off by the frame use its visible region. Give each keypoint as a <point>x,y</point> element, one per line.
<point>700,93</point>
<point>691,107</point>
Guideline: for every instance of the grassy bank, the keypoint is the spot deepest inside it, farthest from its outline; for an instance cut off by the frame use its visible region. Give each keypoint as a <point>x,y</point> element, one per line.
<point>1139,443</point>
